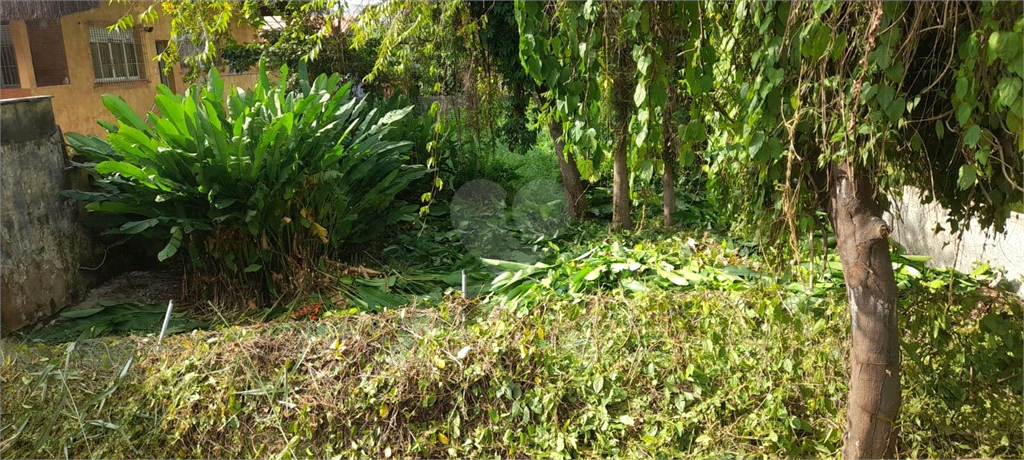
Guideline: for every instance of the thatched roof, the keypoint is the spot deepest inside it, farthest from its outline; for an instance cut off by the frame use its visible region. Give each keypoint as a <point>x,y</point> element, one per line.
<point>26,10</point>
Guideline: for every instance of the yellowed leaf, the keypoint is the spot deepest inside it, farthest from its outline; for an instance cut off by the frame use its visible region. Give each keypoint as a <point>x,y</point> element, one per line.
<point>319,231</point>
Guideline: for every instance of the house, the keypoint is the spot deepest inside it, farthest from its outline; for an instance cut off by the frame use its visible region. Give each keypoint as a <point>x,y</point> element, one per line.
<point>64,49</point>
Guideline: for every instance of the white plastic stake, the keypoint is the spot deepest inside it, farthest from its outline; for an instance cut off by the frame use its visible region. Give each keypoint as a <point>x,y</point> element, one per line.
<point>167,320</point>
<point>463,284</point>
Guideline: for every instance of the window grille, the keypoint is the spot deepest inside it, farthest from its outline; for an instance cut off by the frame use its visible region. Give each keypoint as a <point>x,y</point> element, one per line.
<point>8,60</point>
<point>116,55</point>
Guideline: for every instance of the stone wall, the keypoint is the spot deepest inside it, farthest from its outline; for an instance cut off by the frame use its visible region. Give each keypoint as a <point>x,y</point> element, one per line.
<point>42,246</point>
<point>914,227</point>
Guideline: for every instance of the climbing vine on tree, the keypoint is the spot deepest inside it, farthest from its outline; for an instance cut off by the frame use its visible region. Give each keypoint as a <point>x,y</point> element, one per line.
<point>843,104</point>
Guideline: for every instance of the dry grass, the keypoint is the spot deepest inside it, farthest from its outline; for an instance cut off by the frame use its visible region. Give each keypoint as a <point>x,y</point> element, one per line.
<point>700,374</point>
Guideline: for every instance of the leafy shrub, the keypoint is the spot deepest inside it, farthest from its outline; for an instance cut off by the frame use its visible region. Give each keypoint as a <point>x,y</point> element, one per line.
<point>269,180</point>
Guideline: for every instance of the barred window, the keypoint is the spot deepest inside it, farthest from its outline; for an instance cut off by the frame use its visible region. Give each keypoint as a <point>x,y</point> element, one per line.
<point>8,61</point>
<point>116,55</point>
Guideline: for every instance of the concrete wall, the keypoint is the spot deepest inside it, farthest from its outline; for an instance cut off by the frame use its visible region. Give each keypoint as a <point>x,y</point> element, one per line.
<point>41,244</point>
<point>77,105</point>
<point>914,224</point>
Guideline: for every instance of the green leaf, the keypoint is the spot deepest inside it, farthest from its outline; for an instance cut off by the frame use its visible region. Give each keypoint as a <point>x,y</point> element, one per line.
<point>896,108</point>
<point>594,274</point>
<point>132,228</point>
<point>963,113</point>
<point>640,95</point>
<point>1005,46</point>
<point>916,257</point>
<point>81,313</point>
<point>1007,91</point>
<point>172,245</point>
<point>755,144</point>
<point>972,135</point>
<point>659,92</point>
<point>673,278</point>
<point>896,71</point>
<point>123,112</point>
<point>252,268</point>
<point>125,169</point>
<point>982,156</point>
<point>968,177</point>
<point>961,87</point>
<point>816,43</point>
<point>643,63</point>
<point>641,137</point>
<point>645,170</point>
<point>885,96</point>
<point>1017,66</point>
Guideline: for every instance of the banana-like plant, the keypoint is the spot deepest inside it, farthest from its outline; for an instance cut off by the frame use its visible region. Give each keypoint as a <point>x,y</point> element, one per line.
<point>246,182</point>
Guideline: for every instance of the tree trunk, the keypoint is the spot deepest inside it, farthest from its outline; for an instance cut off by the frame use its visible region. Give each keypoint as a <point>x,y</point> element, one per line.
<point>668,187</point>
<point>862,243</point>
<point>574,199</point>
<point>621,219</point>
<point>669,156</point>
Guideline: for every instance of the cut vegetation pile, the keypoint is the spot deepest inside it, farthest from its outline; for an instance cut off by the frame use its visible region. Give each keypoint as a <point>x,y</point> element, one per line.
<point>713,368</point>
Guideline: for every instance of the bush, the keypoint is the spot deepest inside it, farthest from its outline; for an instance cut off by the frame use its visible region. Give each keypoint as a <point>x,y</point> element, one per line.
<point>252,188</point>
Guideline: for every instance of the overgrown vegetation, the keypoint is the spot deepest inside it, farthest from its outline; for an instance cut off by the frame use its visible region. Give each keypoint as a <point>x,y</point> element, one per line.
<point>254,187</point>
<point>747,302</point>
<point>676,348</point>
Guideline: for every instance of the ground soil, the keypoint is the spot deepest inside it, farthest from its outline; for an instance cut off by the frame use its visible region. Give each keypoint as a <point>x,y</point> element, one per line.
<point>138,287</point>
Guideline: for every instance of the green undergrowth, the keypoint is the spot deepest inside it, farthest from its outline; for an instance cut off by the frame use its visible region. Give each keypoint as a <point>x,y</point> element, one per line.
<point>559,363</point>
<point>114,318</point>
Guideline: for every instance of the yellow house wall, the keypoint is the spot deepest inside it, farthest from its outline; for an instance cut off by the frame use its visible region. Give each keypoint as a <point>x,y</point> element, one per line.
<point>19,37</point>
<point>78,104</point>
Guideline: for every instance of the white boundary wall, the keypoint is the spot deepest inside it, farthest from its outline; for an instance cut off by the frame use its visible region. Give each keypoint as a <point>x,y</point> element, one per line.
<point>914,224</point>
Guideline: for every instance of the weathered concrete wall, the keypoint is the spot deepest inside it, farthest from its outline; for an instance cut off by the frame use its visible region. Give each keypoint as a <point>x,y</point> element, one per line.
<point>41,244</point>
<point>914,227</point>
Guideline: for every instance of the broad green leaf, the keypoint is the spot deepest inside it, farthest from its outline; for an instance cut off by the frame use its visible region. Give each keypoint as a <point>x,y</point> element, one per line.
<point>674,278</point>
<point>1006,46</point>
<point>81,313</point>
<point>131,228</point>
<point>963,113</point>
<point>1007,91</point>
<point>885,96</point>
<point>916,257</point>
<point>896,109</point>
<point>816,42</point>
<point>972,135</point>
<point>640,95</point>
<point>659,92</point>
<point>961,87</point>
<point>755,144</point>
<point>125,169</point>
<point>968,177</point>
<point>172,245</point>
<point>123,112</point>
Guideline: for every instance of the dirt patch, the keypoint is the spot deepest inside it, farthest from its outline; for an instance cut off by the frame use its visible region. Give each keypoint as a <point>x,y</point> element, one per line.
<point>139,287</point>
